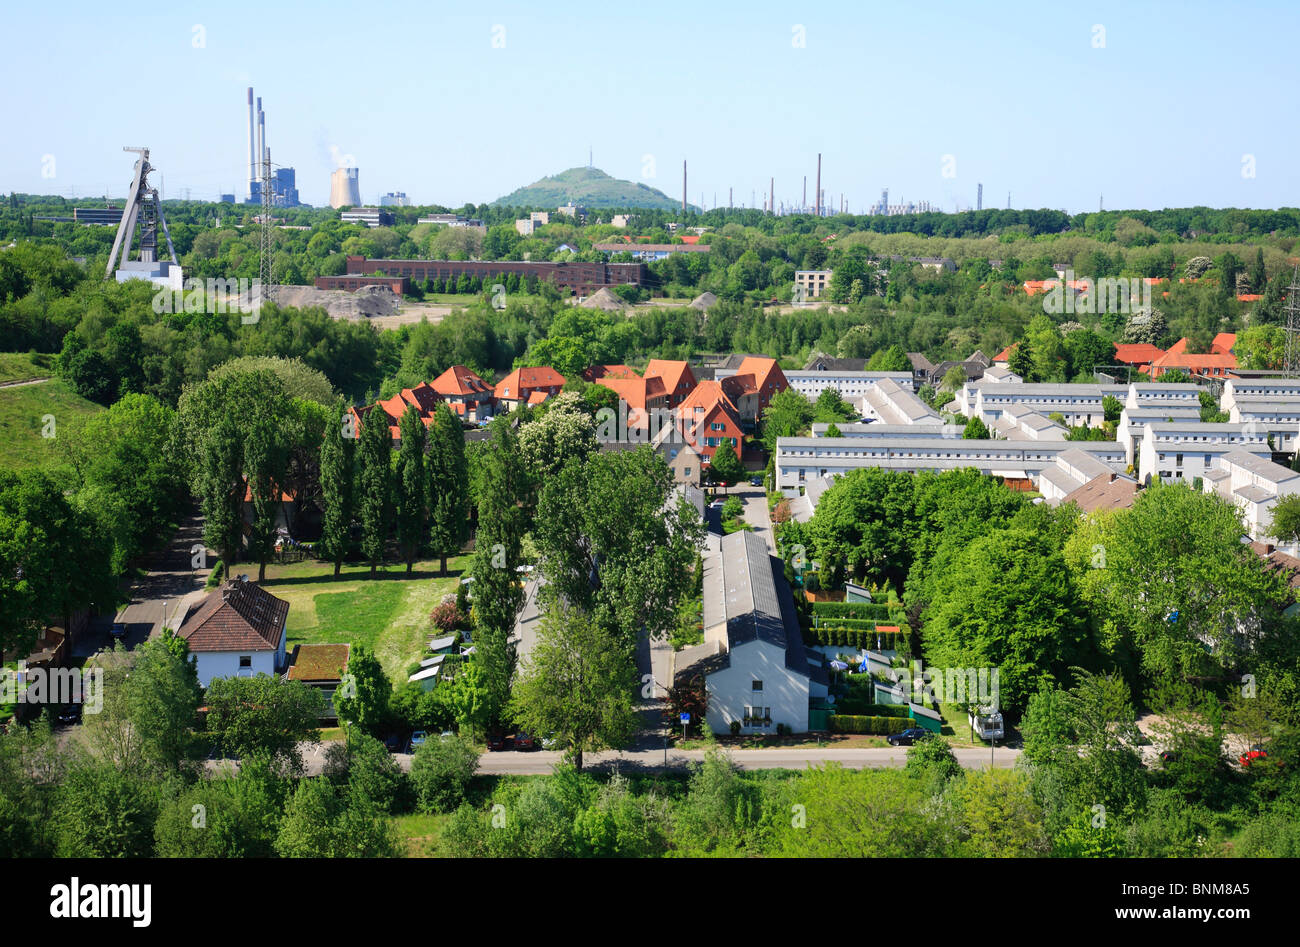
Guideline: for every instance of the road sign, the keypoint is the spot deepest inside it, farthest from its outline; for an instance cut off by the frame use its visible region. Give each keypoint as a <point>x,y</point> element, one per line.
<point>686,718</point>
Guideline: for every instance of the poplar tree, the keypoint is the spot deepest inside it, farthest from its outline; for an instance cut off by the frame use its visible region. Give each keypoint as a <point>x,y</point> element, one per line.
<point>338,486</point>
<point>375,486</point>
<point>411,488</point>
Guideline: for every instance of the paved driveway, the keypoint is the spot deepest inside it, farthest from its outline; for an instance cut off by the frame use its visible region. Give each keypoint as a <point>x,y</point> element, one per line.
<point>163,594</point>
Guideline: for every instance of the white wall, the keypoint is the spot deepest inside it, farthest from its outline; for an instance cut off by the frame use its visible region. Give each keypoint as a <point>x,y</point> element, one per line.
<point>731,690</point>
<point>226,664</point>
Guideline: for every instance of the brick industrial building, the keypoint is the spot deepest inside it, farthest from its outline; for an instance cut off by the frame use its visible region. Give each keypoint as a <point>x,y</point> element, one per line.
<point>582,277</point>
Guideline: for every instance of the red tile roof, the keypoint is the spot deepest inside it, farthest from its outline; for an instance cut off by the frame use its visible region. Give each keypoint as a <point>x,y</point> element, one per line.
<point>636,391</point>
<point>597,372</point>
<point>459,380</point>
<point>1137,353</point>
<point>238,616</point>
<point>520,382</point>
<point>768,377</point>
<point>673,373</point>
<point>1223,343</point>
<point>1005,353</point>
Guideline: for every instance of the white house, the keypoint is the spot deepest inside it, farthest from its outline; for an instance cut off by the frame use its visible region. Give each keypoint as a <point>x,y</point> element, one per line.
<point>237,631</point>
<point>851,385</point>
<point>1174,450</point>
<point>1254,484</point>
<point>753,661</point>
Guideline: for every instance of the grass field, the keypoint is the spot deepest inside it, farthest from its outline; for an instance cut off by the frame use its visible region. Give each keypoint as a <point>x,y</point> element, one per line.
<point>419,833</point>
<point>23,412</point>
<point>389,614</point>
<point>19,366</point>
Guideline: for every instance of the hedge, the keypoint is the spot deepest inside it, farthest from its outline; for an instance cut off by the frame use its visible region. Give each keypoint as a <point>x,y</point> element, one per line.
<point>866,623</point>
<point>838,637</point>
<point>876,610</point>
<point>849,723</point>
<point>852,705</point>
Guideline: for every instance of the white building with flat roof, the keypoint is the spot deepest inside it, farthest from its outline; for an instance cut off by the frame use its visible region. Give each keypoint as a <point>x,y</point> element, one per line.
<point>1277,389</point>
<point>851,385</point>
<point>799,459</point>
<point>891,403</point>
<point>1133,421</point>
<point>1185,450</point>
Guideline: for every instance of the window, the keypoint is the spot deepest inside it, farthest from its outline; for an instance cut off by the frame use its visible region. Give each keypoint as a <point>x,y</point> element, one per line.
<point>756,686</point>
<point>245,660</point>
<point>686,471</point>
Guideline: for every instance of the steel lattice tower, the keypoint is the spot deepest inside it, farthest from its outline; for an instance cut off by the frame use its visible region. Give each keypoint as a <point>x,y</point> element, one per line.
<point>266,269</point>
<point>1292,309</point>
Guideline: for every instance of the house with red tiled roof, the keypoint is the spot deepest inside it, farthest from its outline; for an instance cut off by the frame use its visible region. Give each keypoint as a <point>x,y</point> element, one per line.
<point>707,416</point>
<point>522,384</point>
<point>677,377</point>
<point>1137,353</point>
<point>597,372</point>
<point>1217,364</point>
<point>1003,358</point>
<point>768,377</point>
<point>641,395</point>
<point>465,393</point>
<point>238,630</point>
<point>1224,343</point>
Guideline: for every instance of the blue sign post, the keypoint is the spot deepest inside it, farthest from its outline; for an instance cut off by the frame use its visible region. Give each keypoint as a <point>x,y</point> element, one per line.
<point>686,719</point>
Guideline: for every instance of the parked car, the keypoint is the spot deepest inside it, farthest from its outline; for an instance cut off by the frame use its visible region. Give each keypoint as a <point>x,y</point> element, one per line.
<point>1254,755</point>
<point>755,481</point>
<point>908,737</point>
<point>69,714</point>
<point>118,631</point>
<point>496,741</point>
<point>417,739</point>
<point>395,743</point>
<point>447,735</point>
<point>525,741</point>
<point>1168,756</point>
<point>550,743</point>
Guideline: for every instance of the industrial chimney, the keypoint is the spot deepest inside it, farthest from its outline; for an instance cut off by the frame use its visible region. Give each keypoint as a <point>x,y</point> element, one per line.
<point>252,157</point>
<point>683,186</point>
<point>818,192</point>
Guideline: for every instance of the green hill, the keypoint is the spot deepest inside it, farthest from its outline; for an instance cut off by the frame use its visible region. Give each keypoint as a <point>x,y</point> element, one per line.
<point>587,187</point>
<point>24,411</point>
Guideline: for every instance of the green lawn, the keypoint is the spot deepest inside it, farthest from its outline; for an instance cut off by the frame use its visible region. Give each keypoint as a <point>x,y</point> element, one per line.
<point>389,614</point>
<point>23,420</point>
<point>419,833</point>
<point>19,366</point>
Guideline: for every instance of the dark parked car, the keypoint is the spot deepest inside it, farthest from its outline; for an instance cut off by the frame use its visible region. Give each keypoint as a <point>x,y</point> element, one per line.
<point>755,481</point>
<point>496,741</point>
<point>69,714</point>
<point>395,742</point>
<point>908,736</point>
<point>525,741</point>
<point>118,631</point>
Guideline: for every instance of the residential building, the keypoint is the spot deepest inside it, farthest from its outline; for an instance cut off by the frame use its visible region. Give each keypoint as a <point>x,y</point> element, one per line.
<point>753,662</point>
<point>465,393</point>
<point>850,384</point>
<point>1254,484</point>
<point>1106,492</point>
<point>799,459</point>
<point>707,417</point>
<point>528,385</point>
<point>395,199</point>
<point>237,630</point>
<point>677,377</point>
<point>1174,450</point>
<point>1133,421</point>
<point>757,376</point>
<point>890,402</point>
<point>640,395</point>
<point>812,283</point>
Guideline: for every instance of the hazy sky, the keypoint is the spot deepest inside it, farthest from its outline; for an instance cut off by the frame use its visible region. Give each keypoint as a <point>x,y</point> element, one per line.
<point>1151,104</point>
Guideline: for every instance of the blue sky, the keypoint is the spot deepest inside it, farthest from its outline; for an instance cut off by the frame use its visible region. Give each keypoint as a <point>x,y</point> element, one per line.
<point>1019,95</point>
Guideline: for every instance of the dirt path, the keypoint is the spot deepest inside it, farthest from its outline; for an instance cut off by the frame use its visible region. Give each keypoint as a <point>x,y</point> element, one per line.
<point>21,384</point>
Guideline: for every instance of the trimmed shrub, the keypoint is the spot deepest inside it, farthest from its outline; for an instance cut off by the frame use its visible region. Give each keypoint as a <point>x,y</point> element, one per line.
<point>876,610</point>
<point>882,726</point>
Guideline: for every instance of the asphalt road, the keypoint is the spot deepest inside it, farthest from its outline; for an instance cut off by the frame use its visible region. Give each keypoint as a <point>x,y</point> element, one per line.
<point>541,762</point>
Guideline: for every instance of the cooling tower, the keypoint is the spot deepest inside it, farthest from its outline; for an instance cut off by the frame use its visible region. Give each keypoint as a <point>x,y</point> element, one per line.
<point>345,188</point>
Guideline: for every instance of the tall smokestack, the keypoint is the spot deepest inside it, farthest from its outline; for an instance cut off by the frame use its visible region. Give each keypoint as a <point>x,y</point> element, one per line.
<point>803,206</point>
<point>771,195</point>
<point>683,186</point>
<point>818,192</point>
<point>261,141</point>
<point>729,204</point>
<point>252,156</point>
